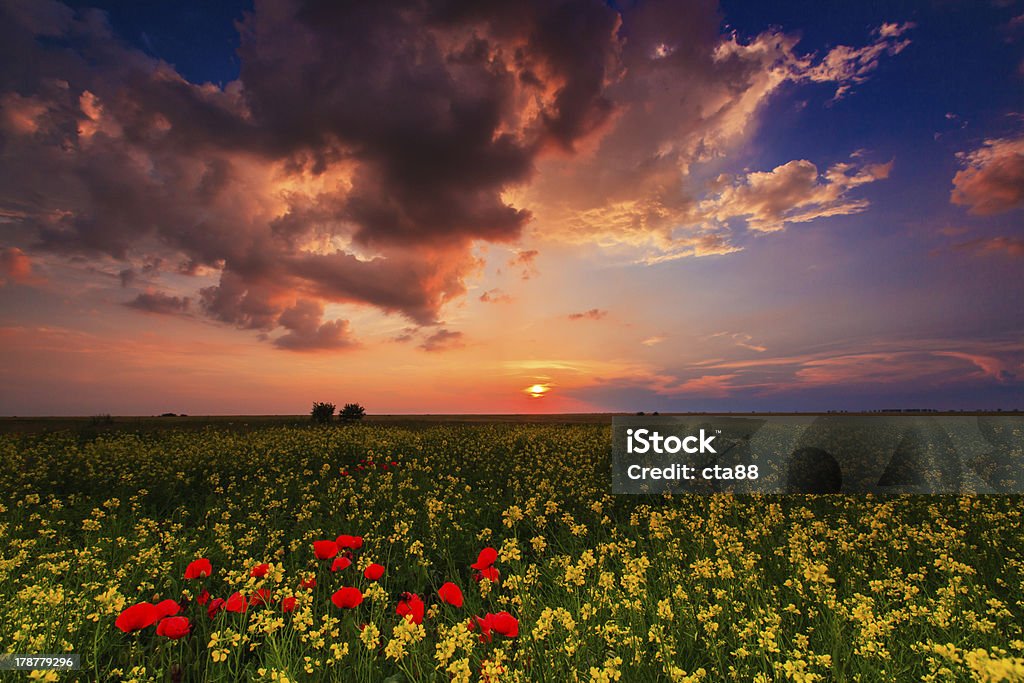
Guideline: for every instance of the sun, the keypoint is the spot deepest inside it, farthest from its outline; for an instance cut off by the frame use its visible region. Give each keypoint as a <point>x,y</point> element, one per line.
<point>537,390</point>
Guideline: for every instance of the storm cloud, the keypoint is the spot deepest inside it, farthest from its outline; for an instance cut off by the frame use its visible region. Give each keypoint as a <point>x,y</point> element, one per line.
<point>366,147</point>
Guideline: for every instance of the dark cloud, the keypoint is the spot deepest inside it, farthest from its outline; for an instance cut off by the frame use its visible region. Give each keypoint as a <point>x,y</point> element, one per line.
<point>306,332</point>
<point>427,101</point>
<point>410,118</point>
<point>161,303</point>
<point>443,340</point>
<point>367,146</point>
<point>592,314</point>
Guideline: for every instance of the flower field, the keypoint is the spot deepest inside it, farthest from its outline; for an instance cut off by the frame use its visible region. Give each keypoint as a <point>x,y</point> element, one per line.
<point>479,553</point>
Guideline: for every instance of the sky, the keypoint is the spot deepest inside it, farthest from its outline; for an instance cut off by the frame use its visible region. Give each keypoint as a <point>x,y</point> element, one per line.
<point>510,206</point>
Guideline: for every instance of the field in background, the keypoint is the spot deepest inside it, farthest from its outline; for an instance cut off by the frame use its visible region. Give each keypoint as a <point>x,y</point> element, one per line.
<point>146,423</point>
<point>604,588</point>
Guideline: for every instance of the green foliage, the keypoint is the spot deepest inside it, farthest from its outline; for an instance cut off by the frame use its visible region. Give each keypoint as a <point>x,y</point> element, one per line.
<point>352,412</point>
<point>322,412</point>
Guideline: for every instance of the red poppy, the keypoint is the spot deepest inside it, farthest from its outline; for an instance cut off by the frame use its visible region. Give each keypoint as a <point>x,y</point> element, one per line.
<point>203,597</point>
<point>340,563</point>
<point>505,624</point>
<point>215,606</point>
<point>490,573</point>
<point>173,627</point>
<point>485,559</point>
<point>347,598</point>
<point>259,571</point>
<point>411,606</point>
<point>288,605</point>
<point>374,572</point>
<point>167,608</point>
<point>325,550</point>
<point>137,617</point>
<point>260,597</point>
<point>451,594</point>
<point>198,568</point>
<point>502,622</point>
<point>484,624</point>
<point>308,582</point>
<point>236,602</point>
<point>351,542</point>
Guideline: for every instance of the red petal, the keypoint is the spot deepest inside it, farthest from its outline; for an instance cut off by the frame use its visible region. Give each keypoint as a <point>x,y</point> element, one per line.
<point>137,617</point>
<point>325,550</point>
<point>451,594</point>
<point>347,598</point>
<point>485,559</point>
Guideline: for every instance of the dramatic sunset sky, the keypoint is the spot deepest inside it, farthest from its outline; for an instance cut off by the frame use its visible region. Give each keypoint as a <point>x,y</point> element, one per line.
<point>510,206</point>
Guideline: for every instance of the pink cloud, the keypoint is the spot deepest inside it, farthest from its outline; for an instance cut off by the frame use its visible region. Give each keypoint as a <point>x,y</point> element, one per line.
<point>592,314</point>
<point>1000,369</point>
<point>712,386</point>
<point>1007,246</point>
<point>924,363</point>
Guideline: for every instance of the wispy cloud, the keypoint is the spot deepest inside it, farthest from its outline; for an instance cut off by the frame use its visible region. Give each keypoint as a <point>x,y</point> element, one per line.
<point>495,296</point>
<point>592,314</point>
<point>443,340</point>
<point>160,302</point>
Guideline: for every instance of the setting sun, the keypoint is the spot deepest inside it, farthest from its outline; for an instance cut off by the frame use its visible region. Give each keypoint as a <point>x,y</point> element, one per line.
<point>537,390</point>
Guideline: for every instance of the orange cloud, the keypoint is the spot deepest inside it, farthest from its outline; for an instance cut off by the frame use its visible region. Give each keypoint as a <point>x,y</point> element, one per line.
<point>992,179</point>
<point>495,296</point>
<point>16,267</point>
<point>794,192</point>
<point>848,66</point>
<point>635,193</point>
